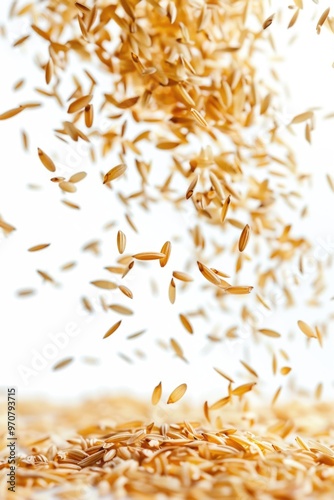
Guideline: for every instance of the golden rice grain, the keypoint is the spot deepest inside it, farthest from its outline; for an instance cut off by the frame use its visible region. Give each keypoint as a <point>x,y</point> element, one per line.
<point>7,228</point>
<point>269,333</point>
<point>121,242</point>
<point>114,173</point>
<point>48,71</point>
<point>71,204</point>
<point>225,207</point>
<point>25,292</point>
<point>191,187</point>
<point>25,140</point>
<point>121,309</point>
<point>136,334</point>
<point>268,22</point>
<point>79,103</point>
<point>242,389</point>
<point>21,40</point>
<point>10,113</point>
<point>46,160</point>
<point>302,117</point>
<point>68,266</point>
<point>293,19</point>
<point>249,368</point>
<point>285,370</point>
<point>36,248</point>
<point>177,394</point>
<point>112,329</point>
<point>172,291</point>
<point>186,323</point>
<point>68,187</point>
<point>220,403</point>
<point>208,274</point>
<point>79,176</point>
<point>239,290</point>
<point>244,237</point>
<point>306,329</point>
<point>227,377</point>
<point>104,284</point>
<point>61,364</point>
<point>87,304</point>
<point>276,395</point>
<point>322,19</point>
<point>128,269</point>
<point>126,291</point>
<point>149,256</point>
<point>166,250</point>
<point>45,276</point>
<point>89,115</point>
<point>179,275</point>
<point>156,395</point>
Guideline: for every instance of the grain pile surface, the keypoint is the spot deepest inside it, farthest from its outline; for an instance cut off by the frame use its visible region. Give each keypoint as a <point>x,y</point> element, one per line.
<point>244,453</point>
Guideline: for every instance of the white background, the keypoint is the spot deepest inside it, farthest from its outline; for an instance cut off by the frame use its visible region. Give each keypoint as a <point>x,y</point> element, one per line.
<point>39,216</point>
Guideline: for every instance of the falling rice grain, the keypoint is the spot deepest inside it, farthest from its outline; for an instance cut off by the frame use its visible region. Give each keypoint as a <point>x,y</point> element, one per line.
<point>186,323</point>
<point>112,329</point>
<point>177,394</point>
<point>172,291</point>
<point>166,250</point>
<point>269,333</point>
<point>67,187</point>
<point>89,115</point>
<point>46,160</point>
<point>179,275</point>
<point>244,237</point>
<point>64,362</point>
<point>79,176</point>
<point>322,19</point>
<point>156,395</point>
<point>36,248</point>
<point>104,284</point>
<point>79,103</point>
<point>121,309</point>
<point>126,291</point>
<point>242,389</point>
<point>191,187</point>
<point>121,242</point>
<point>293,19</point>
<point>114,173</point>
<point>224,209</point>
<point>306,329</point>
<point>268,21</point>
<point>224,375</point>
<point>149,256</point>
<point>10,113</point>
<point>239,290</point>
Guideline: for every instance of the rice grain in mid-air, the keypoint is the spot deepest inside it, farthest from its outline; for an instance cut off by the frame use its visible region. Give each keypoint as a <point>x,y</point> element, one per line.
<point>61,364</point>
<point>121,242</point>
<point>112,329</point>
<point>156,395</point>
<point>244,237</point>
<point>177,394</point>
<point>149,256</point>
<point>166,250</point>
<point>36,248</point>
<point>46,160</point>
